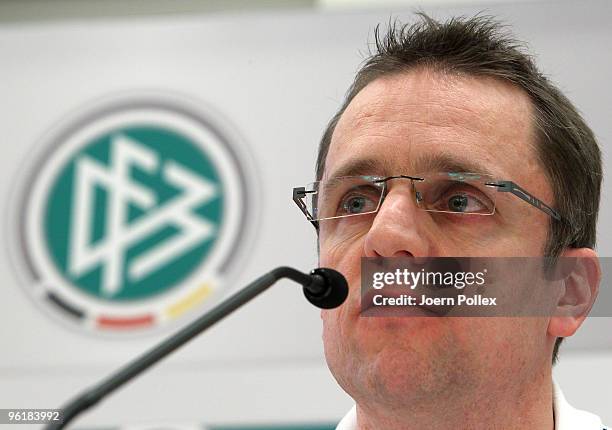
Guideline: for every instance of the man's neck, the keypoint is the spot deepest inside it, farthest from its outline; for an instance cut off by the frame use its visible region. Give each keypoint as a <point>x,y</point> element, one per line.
<point>523,408</point>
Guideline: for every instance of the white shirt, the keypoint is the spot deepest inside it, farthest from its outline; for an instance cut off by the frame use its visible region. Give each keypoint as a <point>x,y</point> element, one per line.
<point>566,417</point>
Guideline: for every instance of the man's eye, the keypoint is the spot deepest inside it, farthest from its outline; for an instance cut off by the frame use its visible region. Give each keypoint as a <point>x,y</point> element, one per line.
<point>461,202</point>
<point>356,204</point>
<point>458,203</point>
<point>457,197</point>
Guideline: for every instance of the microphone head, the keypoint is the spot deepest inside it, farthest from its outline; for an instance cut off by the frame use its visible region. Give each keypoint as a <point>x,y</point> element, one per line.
<point>335,291</point>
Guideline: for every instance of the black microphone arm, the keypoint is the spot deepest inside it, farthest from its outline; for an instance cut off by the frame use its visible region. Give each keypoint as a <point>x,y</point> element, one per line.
<point>325,288</point>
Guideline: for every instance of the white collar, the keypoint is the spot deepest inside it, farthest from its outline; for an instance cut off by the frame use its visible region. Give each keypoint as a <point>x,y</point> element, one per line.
<point>569,418</point>
<point>566,417</point>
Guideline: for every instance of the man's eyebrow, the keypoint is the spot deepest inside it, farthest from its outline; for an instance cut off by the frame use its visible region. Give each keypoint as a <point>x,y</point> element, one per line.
<point>358,167</point>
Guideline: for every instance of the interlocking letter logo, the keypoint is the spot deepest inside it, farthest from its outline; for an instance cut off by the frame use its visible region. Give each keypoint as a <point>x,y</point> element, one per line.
<point>134,212</point>
<point>123,190</point>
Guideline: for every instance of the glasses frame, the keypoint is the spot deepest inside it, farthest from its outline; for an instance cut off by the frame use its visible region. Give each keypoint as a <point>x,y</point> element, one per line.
<point>503,186</point>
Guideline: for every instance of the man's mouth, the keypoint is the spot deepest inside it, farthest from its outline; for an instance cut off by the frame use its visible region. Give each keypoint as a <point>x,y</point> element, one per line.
<point>410,294</point>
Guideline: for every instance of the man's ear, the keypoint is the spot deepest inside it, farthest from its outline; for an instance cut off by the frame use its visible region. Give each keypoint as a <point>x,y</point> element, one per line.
<point>579,289</point>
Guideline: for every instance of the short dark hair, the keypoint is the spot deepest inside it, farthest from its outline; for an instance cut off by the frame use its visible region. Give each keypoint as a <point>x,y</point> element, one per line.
<point>480,46</point>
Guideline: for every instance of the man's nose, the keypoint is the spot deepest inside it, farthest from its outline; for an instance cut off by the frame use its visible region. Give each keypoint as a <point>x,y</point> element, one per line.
<point>395,231</point>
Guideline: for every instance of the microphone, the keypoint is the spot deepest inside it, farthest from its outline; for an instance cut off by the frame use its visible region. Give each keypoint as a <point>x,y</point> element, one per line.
<point>324,288</point>
<point>328,289</point>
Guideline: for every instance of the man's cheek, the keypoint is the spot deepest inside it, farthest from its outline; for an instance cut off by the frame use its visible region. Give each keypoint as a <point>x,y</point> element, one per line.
<point>332,328</point>
<point>330,256</point>
<point>332,317</point>
<point>334,245</point>
<point>346,260</point>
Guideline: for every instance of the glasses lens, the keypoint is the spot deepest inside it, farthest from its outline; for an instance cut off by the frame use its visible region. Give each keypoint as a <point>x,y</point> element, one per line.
<point>462,193</point>
<point>342,197</point>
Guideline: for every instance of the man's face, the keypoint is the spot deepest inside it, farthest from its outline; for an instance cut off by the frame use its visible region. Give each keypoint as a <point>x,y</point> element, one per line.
<point>415,123</point>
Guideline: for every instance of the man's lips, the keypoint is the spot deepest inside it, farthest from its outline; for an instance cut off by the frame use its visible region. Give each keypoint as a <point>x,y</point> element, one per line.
<point>409,285</point>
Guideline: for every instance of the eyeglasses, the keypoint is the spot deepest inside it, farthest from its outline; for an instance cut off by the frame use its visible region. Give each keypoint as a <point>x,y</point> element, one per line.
<point>458,193</point>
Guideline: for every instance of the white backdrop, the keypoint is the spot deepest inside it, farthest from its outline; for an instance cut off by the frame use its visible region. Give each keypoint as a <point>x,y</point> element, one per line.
<point>278,78</point>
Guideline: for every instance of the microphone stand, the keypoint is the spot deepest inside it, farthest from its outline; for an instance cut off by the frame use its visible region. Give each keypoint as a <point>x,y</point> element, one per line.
<point>325,288</point>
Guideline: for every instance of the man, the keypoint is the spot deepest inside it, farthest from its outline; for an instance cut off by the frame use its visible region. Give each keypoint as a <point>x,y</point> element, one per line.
<point>438,98</point>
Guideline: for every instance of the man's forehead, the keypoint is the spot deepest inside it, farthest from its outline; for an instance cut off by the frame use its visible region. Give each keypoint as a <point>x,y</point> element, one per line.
<point>428,89</point>
<point>425,121</point>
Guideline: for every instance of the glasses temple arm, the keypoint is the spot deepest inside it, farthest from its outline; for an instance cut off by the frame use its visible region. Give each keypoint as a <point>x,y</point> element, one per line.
<point>511,187</point>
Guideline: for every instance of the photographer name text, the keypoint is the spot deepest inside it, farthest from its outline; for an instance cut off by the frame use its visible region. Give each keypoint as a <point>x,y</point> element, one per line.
<point>461,299</point>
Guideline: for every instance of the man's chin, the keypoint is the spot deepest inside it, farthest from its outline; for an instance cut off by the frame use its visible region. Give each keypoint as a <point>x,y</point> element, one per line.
<point>398,378</point>
<point>411,338</point>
